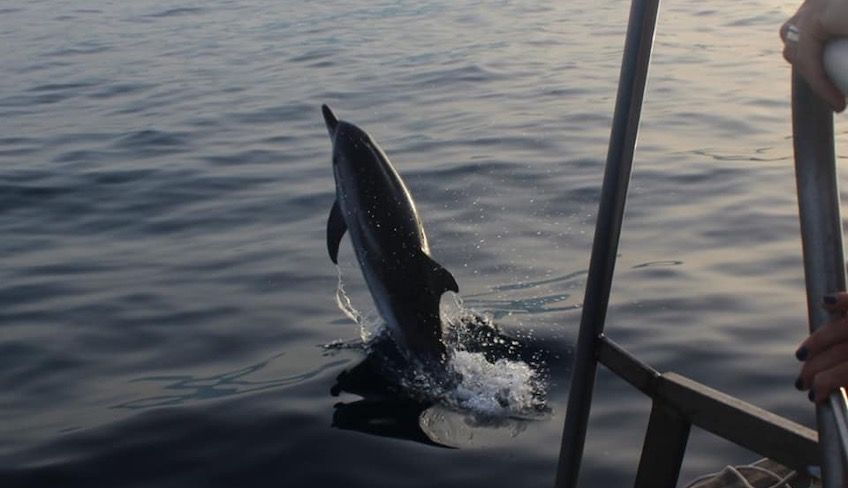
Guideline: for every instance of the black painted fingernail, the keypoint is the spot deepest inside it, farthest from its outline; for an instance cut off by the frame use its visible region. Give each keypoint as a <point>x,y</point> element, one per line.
<point>811,396</point>
<point>829,299</point>
<point>799,383</point>
<point>802,353</point>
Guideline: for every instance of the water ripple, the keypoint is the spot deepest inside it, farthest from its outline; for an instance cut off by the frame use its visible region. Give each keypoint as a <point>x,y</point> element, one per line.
<point>190,388</point>
<point>179,11</point>
<point>150,139</point>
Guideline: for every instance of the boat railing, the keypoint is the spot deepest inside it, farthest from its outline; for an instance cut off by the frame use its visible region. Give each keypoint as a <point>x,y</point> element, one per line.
<point>679,402</point>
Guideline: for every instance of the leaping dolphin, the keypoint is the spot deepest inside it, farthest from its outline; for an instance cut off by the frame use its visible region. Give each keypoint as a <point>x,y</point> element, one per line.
<point>375,207</point>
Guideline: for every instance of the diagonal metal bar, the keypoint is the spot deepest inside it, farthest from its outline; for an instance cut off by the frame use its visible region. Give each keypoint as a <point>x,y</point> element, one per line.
<point>741,423</point>
<point>628,108</point>
<point>821,235</point>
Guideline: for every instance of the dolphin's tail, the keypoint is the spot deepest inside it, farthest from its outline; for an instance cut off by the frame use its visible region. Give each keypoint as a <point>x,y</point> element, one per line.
<point>329,119</point>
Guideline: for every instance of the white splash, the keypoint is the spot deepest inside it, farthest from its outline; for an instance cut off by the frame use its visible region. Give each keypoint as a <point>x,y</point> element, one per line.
<point>490,390</point>
<point>500,389</point>
<point>504,388</point>
<point>370,323</point>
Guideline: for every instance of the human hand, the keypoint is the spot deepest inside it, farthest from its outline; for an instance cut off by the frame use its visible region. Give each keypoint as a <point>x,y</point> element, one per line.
<point>825,353</point>
<point>804,36</point>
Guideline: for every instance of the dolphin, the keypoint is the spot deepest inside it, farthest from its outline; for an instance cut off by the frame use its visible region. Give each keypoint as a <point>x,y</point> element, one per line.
<point>375,207</point>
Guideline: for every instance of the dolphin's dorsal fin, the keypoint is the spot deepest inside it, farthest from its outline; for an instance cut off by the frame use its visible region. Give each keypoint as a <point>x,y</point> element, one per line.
<point>439,280</point>
<point>336,228</point>
<point>330,119</point>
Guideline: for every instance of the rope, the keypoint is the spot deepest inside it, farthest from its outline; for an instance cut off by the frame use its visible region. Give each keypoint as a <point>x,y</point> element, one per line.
<point>736,471</point>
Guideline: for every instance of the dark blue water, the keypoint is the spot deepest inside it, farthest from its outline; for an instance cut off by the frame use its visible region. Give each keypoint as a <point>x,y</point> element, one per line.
<point>168,310</point>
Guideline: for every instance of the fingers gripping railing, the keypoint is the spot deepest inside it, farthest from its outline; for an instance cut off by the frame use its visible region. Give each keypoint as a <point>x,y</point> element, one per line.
<point>821,233</point>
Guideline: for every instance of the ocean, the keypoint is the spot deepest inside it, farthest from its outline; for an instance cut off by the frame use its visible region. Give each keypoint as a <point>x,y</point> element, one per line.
<point>169,315</point>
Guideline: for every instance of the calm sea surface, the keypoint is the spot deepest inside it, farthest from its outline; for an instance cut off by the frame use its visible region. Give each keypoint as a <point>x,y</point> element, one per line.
<point>165,289</point>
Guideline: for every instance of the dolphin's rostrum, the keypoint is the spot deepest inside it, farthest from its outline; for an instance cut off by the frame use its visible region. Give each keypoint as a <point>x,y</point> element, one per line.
<point>374,206</point>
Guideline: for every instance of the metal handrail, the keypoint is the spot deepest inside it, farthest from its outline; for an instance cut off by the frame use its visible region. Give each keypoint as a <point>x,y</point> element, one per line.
<point>821,235</point>
<point>821,228</point>
<point>628,107</point>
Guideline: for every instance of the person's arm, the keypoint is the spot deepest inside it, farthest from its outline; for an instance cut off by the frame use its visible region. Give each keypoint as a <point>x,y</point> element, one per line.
<point>825,353</point>
<point>804,36</point>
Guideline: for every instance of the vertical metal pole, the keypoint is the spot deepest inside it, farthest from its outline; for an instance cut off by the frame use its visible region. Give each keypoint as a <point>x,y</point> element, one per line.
<point>821,233</point>
<point>628,106</point>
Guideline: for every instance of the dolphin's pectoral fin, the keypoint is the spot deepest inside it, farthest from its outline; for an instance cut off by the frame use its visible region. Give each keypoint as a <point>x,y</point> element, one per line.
<point>336,228</point>
<point>439,279</point>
